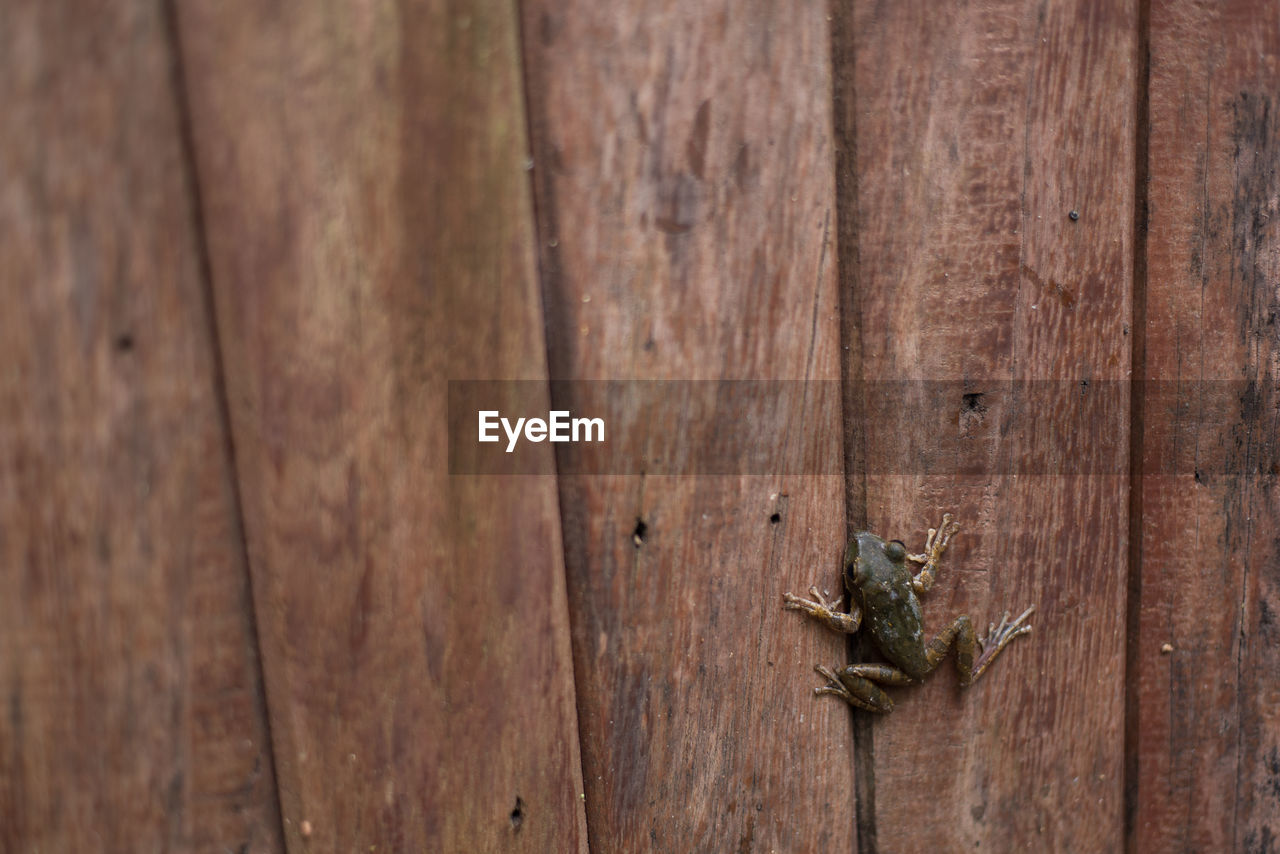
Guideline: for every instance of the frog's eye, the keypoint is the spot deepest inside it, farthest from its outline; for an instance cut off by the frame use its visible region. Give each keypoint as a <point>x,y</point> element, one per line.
<point>895,550</point>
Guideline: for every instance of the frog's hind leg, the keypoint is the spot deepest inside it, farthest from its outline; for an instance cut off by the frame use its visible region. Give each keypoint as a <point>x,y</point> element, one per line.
<point>960,632</point>
<point>855,686</point>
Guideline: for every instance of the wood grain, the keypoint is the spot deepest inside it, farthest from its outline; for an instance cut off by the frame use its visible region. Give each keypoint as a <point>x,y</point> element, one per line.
<point>1207,727</point>
<point>722,193</point>
<point>133,714</point>
<point>683,165</point>
<point>370,231</point>
<point>977,130</point>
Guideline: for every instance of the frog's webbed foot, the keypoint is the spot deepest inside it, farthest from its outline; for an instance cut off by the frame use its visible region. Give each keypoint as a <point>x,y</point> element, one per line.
<point>998,637</point>
<point>827,613</point>
<point>854,689</point>
<point>934,545</point>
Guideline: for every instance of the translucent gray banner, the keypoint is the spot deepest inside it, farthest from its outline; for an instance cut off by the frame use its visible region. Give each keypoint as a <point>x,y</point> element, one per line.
<point>748,427</point>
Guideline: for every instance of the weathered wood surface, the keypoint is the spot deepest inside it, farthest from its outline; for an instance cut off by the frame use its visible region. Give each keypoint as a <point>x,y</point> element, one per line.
<point>133,713</point>
<point>370,230</point>
<point>977,129</point>
<point>720,195</point>
<point>1206,736</point>
<point>683,165</point>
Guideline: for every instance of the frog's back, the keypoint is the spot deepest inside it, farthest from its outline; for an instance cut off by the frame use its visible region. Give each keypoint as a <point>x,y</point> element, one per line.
<point>893,616</point>
<point>877,574</point>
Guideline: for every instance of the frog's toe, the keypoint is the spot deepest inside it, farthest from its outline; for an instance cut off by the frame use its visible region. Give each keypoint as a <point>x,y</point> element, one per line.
<point>940,537</point>
<point>833,686</point>
<point>818,606</point>
<point>999,636</point>
<point>826,612</point>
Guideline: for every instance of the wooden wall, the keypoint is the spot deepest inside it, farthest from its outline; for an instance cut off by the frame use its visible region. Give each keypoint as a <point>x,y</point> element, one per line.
<point>244,246</point>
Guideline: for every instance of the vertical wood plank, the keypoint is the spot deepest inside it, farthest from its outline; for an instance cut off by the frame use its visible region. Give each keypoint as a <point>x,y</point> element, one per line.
<point>370,222</point>
<point>978,129</point>
<point>132,703</point>
<point>683,165</point>
<point>1207,732</point>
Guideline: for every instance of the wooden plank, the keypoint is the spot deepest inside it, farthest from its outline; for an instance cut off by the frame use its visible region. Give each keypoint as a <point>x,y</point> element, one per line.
<point>133,713</point>
<point>977,129</point>
<point>370,222</point>
<point>683,165</point>
<point>1206,733</point>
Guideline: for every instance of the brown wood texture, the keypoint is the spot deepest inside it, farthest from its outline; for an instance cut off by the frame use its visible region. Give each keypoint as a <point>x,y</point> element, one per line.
<point>1207,728</point>
<point>363,173</point>
<point>133,714</point>
<point>977,129</point>
<point>964,195</point>
<point>683,165</point>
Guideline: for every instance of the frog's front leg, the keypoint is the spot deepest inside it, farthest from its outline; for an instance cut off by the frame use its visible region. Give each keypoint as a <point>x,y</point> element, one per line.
<point>856,687</point>
<point>827,613</point>
<point>934,545</point>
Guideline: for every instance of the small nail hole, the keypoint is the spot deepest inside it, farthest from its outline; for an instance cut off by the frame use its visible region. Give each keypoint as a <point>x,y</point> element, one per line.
<point>124,342</point>
<point>775,518</point>
<point>638,535</point>
<point>517,814</point>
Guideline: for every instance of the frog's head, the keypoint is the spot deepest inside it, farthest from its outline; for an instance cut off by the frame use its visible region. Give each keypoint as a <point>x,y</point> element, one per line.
<point>869,557</point>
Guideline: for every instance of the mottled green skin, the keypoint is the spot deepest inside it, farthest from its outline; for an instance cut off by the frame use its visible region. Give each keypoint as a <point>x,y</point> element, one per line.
<point>882,589</point>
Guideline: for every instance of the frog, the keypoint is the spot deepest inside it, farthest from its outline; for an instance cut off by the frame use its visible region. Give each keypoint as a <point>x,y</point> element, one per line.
<point>886,595</point>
